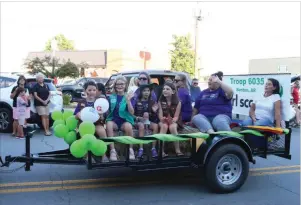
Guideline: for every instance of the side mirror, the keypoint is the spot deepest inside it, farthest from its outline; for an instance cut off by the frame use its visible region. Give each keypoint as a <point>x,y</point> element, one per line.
<point>81,84</point>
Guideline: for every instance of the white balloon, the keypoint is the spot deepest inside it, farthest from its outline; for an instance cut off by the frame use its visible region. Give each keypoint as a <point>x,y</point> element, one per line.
<point>89,114</point>
<point>101,105</point>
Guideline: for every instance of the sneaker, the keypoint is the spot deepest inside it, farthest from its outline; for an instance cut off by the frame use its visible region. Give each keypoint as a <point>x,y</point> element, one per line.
<point>113,155</point>
<point>132,154</point>
<point>140,153</point>
<point>154,152</point>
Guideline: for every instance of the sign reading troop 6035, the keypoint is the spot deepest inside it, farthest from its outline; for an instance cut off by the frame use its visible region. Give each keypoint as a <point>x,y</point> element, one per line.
<point>248,88</point>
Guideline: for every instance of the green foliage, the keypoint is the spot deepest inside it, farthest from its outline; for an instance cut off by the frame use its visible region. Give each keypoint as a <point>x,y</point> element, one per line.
<point>66,100</point>
<point>38,65</point>
<point>63,43</point>
<point>52,67</point>
<point>182,54</point>
<point>69,69</point>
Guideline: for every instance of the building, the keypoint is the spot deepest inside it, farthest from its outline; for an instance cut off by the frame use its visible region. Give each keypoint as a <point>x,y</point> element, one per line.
<point>104,63</point>
<point>275,65</point>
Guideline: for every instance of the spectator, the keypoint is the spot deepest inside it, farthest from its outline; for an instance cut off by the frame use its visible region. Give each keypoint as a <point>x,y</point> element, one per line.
<point>41,100</point>
<point>213,107</point>
<point>21,83</point>
<point>296,98</point>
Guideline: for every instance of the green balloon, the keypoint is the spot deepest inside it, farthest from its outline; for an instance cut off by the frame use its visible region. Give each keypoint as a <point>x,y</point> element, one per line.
<point>70,137</point>
<point>71,123</point>
<point>86,128</point>
<point>66,114</point>
<point>57,115</point>
<point>88,140</point>
<point>58,122</point>
<point>99,148</point>
<point>77,149</point>
<point>61,131</point>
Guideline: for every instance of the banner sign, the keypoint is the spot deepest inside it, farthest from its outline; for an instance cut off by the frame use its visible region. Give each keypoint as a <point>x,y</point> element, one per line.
<point>248,88</point>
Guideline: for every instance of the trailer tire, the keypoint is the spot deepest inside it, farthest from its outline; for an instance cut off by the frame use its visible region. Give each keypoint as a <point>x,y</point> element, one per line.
<point>227,168</point>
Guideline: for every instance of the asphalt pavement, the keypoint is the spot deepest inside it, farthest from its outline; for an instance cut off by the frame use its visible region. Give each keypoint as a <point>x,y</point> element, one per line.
<point>272,181</point>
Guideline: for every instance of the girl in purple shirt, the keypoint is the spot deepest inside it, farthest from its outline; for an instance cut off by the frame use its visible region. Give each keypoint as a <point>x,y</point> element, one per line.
<point>184,96</point>
<point>144,79</point>
<point>146,111</point>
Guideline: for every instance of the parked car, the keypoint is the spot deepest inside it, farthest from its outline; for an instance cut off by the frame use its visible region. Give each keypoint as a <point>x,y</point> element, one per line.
<point>158,77</point>
<point>6,103</point>
<point>75,87</point>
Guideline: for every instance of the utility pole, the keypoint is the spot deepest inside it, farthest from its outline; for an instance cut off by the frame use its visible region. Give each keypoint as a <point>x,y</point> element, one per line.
<point>53,48</point>
<point>198,18</point>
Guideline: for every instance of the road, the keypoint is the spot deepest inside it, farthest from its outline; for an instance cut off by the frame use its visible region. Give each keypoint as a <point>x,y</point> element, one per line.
<point>272,181</point>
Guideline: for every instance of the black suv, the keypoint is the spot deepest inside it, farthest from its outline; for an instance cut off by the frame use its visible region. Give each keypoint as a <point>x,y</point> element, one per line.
<point>158,77</point>
<point>75,87</point>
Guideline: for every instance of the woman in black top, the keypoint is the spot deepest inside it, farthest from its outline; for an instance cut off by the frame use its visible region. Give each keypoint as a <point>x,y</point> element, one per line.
<point>42,98</point>
<point>21,83</point>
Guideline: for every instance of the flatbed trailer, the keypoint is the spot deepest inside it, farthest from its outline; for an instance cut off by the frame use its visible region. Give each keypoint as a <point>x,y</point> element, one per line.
<point>223,156</point>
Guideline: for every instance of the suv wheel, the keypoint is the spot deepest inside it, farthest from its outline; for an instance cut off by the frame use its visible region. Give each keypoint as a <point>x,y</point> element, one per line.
<point>6,120</point>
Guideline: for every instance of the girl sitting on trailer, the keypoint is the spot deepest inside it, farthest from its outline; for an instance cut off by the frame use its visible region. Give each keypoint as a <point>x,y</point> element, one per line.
<point>90,97</point>
<point>120,114</point>
<point>170,113</point>
<point>146,113</point>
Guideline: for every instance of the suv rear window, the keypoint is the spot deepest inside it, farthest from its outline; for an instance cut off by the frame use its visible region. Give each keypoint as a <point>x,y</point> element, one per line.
<point>32,82</point>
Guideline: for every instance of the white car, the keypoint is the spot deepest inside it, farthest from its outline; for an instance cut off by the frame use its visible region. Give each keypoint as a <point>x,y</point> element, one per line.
<point>6,103</point>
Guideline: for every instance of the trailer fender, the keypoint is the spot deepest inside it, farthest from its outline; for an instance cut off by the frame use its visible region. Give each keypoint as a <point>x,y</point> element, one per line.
<point>229,140</point>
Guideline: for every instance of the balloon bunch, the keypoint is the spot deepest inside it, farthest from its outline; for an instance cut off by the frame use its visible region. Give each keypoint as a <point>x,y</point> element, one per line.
<point>88,142</point>
<point>65,125</point>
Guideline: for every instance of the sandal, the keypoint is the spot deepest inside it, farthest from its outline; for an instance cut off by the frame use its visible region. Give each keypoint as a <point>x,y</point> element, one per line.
<point>48,133</point>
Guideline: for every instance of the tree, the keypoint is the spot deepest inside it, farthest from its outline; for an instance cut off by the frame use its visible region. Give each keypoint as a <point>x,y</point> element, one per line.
<point>45,66</point>
<point>63,43</point>
<point>52,67</point>
<point>182,55</point>
<point>69,69</point>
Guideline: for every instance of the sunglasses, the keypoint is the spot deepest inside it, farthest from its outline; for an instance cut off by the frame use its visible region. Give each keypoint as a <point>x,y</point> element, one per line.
<point>176,80</point>
<point>142,78</point>
<point>195,83</point>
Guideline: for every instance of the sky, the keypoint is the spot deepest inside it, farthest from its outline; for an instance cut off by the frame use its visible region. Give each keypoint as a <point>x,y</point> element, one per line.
<point>230,33</point>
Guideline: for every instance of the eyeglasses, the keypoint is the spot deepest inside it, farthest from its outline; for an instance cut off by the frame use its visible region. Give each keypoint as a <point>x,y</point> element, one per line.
<point>142,78</point>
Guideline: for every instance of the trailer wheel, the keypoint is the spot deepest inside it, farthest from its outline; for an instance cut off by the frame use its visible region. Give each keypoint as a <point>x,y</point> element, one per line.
<point>227,168</point>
